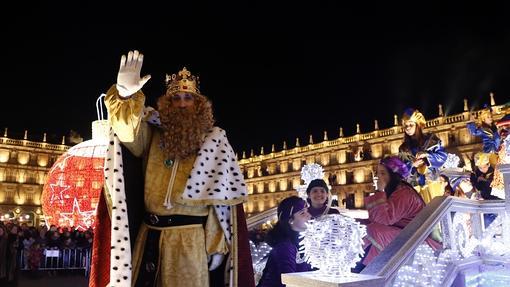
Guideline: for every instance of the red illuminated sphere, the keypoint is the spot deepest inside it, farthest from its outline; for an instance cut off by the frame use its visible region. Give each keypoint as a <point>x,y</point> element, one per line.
<point>73,186</point>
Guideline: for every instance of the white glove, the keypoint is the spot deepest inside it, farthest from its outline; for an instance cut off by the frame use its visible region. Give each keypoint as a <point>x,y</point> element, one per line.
<point>128,78</point>
<point>215,261</point>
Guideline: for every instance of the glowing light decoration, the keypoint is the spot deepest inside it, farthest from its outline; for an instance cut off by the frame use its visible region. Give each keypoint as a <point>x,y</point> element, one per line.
<point>452,162</point>
<point>427,269</point>
<point>309,172</point>
<point>489,276</point>
<point>462,230</point>
<point>77,218</point>
<point>333,243</point>
<point>492,243</point>
<point>259,256</point>
<point>74,183</point>
<point>259,253</point>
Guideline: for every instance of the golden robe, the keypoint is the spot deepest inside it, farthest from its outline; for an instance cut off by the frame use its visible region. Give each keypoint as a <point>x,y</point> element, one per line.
<point>183,249</point>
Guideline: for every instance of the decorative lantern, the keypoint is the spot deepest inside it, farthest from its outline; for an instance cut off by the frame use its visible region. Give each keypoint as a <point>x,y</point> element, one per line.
<point>309,172</point>
<point>74,183</point>
<point>333,243</point>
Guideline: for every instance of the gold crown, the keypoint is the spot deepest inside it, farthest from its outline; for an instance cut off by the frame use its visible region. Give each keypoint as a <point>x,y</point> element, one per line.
<point>486,113</point>
<point>482,159</point>
<point>182,82</point>
<point>416,117</point>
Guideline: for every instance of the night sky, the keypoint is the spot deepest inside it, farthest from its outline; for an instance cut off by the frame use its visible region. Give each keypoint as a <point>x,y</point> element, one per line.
<point>273,73</point>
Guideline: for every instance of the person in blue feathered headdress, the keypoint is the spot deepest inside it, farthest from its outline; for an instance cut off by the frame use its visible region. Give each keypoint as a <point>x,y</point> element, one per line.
<point>422,152</point>
<point>486,129</point>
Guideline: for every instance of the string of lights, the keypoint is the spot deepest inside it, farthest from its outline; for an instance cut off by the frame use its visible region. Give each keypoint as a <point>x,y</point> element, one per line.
<point>333,243</point>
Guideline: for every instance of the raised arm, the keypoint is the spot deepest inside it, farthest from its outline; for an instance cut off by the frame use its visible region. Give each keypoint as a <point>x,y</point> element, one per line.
<point>125,103</point>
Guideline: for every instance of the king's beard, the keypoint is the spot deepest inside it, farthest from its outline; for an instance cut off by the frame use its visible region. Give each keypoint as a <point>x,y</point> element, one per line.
<point>184,129</point>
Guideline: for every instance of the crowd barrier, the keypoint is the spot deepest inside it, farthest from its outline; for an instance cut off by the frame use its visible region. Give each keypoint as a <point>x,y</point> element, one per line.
<point>59,259</point>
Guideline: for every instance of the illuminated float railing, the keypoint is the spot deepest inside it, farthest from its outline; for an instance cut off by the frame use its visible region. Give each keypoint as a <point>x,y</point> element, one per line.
<point>468,246</point>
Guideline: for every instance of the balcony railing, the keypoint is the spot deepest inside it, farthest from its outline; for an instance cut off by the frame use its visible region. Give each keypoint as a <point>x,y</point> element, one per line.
<point>39,145</point>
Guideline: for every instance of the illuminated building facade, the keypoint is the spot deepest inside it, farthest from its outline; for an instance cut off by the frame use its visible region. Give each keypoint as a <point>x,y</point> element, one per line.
<point>24,165</point>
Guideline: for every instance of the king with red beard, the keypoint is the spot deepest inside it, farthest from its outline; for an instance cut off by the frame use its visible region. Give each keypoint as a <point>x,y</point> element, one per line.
<point>177,220</point>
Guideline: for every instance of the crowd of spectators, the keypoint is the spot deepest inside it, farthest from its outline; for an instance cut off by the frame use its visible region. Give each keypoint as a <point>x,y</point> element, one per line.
<point>23,247</point>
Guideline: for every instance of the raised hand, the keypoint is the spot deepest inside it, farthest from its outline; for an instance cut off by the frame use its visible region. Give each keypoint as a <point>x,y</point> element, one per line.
<point>128,78</point>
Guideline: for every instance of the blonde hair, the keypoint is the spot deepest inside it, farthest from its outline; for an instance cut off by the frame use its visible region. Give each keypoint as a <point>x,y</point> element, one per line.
<point>184,130</point>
